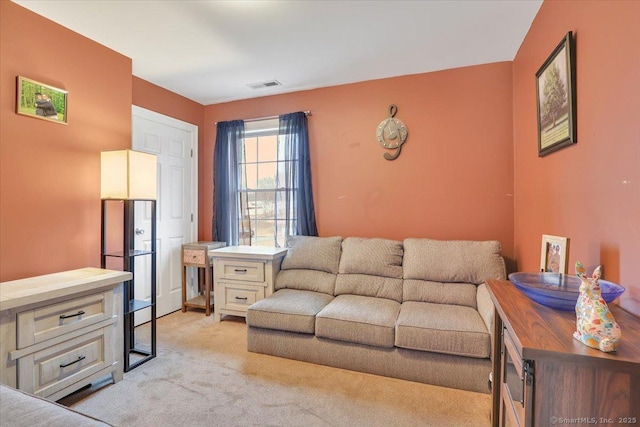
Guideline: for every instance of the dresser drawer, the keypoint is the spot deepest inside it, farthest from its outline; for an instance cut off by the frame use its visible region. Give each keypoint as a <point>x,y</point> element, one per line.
<point>52,369</point>
<point>246,271</point>
<point>194,257</point>
<point>240,297</point>
<point>43,323</point>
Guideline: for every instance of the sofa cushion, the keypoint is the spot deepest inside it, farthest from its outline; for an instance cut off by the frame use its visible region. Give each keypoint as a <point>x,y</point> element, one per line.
<point>453,261</point>
<point>288,310</point>
<point>442,328</point>
<point>312,253</point>
<point>369,286</point>
<point>18,408</point>
<point>359,319</point>
<point>440,293</point>
<point>376,257</point>
<point>306,280</point>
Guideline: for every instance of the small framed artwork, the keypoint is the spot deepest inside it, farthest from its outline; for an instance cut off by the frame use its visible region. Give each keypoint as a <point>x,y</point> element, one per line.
<point>556,98</point>
<point>41,101</point>
<point>553,254</point>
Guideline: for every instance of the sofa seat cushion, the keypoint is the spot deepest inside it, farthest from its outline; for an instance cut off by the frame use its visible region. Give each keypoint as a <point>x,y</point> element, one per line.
<point>359,319</point>
<point>442,328</point>
<point>288,310</point>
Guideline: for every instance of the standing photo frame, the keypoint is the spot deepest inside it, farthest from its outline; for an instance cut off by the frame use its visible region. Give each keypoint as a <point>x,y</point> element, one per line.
<point>553,254</point>
<point>556,98</point>
<point>41,101</point>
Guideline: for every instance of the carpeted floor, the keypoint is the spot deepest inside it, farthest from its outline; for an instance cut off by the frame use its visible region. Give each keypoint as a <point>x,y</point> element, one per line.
<point>204,376</point>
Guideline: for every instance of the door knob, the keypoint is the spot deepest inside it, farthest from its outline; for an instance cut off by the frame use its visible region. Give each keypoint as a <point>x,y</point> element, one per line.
<point>139,231</point>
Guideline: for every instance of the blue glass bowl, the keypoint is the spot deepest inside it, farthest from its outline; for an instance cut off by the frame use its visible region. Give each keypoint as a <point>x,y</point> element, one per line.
<point>557,290</point>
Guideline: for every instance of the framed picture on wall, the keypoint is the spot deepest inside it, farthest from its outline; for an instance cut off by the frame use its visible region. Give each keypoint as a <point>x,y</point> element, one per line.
<point>556,98</point>
<point>41,101</point>
<point>553,254</point>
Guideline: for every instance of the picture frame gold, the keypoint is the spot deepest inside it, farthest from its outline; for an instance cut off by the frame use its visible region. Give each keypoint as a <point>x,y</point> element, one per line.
<point>556,98</point>
<point>41,101</point>
<point>554,254</point>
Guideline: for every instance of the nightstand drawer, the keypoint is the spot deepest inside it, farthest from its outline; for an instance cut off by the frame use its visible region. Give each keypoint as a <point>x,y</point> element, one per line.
<point>239,297</point>
<point>41,324</point>
<point>246,271</point>
<point>196,254</point>
<point>194,257</point>
<point>45,372</point>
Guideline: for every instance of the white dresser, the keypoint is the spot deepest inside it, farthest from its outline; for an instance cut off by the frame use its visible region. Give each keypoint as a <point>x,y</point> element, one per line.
<point>59,332</point>
<point>243,275</point>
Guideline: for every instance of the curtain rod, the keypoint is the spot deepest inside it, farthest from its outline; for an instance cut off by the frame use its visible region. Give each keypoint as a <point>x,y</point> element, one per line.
<point>306,113</point>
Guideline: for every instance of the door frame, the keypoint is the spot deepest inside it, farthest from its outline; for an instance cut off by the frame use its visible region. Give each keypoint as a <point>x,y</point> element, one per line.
<point>143,113</point>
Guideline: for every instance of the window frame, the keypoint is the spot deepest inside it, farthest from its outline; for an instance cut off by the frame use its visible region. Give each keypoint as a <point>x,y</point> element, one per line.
<point>251,223</point>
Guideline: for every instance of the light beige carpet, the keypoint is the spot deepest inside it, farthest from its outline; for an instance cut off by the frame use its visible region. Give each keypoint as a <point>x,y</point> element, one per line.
<point>204,376</point>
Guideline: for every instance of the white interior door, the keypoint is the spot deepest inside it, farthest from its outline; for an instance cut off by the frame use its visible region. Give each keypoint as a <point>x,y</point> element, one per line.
<point>174,142</point>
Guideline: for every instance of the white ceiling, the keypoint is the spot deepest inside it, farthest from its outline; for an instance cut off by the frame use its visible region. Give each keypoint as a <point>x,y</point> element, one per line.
<point>210,51</point>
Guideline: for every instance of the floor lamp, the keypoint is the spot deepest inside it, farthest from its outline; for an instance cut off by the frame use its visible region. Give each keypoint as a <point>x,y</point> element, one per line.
<point>128,177</point>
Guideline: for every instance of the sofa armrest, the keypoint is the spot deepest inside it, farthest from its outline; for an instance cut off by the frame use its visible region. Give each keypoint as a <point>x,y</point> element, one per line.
<point>486,310</point>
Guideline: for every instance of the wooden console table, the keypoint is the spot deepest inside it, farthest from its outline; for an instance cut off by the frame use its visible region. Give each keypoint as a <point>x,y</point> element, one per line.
<point>542,376</point>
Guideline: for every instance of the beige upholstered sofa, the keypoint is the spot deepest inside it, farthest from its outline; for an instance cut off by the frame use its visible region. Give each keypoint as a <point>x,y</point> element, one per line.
<point>18,409</point>
<point>416,310</point>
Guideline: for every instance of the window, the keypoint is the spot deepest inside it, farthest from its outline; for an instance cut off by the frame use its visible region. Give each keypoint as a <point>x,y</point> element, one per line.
<point>262,191</point>
<point>262,181</point>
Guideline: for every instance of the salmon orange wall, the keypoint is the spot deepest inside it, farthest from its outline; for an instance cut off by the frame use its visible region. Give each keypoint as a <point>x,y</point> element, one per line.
<point>162,101</point>
<point>453,180</point>
<point>50,173</point>
<point>590,191</point>
<point>472,145</point>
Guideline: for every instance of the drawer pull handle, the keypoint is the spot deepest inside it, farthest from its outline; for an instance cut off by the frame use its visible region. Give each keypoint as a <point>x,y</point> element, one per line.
<point>240,270</point>
<point>67,316</point>
<point>242,298</point>
<point>64,365</point>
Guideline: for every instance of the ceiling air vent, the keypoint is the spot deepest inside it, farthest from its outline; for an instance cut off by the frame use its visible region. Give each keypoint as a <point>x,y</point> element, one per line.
<point>261,85</point>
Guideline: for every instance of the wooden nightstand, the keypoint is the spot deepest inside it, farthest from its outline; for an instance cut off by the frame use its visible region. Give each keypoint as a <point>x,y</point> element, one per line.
<point>197,254</point>
<point>243,275</point>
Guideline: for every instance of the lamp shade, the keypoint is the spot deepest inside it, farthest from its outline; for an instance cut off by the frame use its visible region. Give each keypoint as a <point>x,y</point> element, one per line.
<point>128,174</point>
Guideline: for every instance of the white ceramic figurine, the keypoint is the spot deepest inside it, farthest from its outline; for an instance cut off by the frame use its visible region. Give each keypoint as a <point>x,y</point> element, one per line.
<point>596,326</point>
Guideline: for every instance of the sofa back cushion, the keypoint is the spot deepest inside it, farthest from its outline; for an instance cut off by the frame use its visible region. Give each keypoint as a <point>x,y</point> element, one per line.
<point>369,286</point>
<point>312,253</point>
<point>377,257</point>
<point>370,267</point>
<point>464,294</point>
<point>311,264</point>
<point>306,280</point>
<point>454,261</point>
